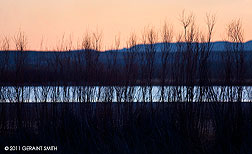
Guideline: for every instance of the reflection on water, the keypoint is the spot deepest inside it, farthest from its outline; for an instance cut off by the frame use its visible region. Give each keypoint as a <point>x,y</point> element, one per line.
<point>125,94</point>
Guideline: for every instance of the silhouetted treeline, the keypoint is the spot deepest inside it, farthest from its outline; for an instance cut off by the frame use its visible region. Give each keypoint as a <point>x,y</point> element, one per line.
<point>185,70</point>
<point>189,61</point>
<point>130,67</point>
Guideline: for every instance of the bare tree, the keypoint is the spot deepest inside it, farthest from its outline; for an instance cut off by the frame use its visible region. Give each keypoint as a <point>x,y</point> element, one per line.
<point>190,52</point>
<point>21,42</point>
<point>4,65</point>
<point>130,68</point>
<point>57,64</point>
<point>89,63</point>
<point>205,51</point>
<point>186,21</point>
<point>235,35</point>
<point>177,70</point>
<point>167,37</point>
<point>149,38</point>
<point>4,47</point>
<point>113,73</point>
<point>92,44</point>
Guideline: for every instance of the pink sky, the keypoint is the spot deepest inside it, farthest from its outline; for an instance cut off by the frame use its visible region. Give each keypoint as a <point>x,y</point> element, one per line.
<point>51,19</point>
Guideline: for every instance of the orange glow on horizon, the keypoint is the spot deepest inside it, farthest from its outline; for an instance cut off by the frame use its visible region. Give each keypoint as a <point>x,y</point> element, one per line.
<point>45,22</point>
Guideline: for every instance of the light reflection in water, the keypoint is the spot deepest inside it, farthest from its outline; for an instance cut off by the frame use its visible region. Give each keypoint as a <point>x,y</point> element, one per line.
<point>125,94</point>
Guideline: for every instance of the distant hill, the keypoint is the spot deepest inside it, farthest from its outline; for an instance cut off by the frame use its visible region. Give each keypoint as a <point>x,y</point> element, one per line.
<point>216,46</point>
<point>112,68</point>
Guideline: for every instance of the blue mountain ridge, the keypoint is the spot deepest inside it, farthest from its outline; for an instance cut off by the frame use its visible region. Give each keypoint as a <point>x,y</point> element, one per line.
<point>216,46</point>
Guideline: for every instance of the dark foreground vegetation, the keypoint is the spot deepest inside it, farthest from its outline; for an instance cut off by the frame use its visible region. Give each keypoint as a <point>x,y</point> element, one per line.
<point>190,60</point>
<point>199,118</point>
<point>130,128</point>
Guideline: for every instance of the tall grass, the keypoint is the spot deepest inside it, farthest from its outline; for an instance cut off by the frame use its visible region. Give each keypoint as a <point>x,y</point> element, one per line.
<point>114,128</point>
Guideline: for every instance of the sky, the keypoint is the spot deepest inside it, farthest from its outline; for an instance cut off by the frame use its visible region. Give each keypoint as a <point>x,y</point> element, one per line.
<point>49,20</point>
